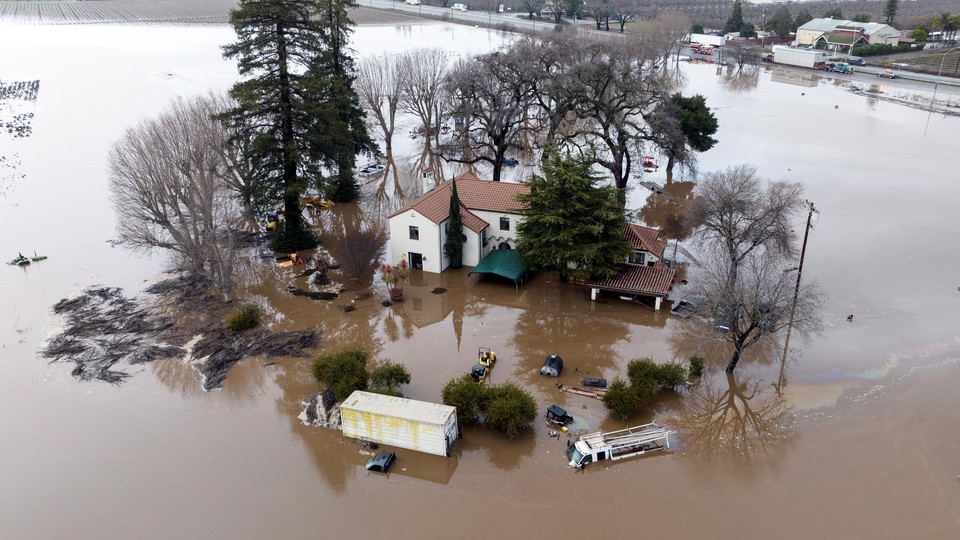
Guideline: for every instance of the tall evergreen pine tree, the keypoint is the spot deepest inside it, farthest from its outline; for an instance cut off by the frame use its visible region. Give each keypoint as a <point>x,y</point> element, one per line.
<point>571,222</point>
<point>453,247</point>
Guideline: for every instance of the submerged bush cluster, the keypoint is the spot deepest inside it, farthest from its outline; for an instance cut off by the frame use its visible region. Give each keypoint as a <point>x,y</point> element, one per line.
<point>645,379</point>
<point>505,407</point>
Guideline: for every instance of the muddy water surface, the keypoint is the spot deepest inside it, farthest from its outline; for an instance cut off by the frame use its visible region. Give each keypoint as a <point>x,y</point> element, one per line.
<point>862,443</point>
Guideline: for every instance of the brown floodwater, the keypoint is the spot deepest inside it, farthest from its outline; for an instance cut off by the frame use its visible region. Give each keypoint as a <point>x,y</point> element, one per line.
<point>862,441</point>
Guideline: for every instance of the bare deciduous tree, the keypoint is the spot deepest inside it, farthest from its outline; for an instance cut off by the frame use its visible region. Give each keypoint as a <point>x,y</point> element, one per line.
<point>737,215</point>
<point>663,34</point>
<point>533,7</point>
<point>763,301</point>
<point>379,84</point>
<point>492,95</point>
<point>360,252</point>
<point>618,90</point>
<point>421,91</point>
<point>743,54</point>
<point>170,186</point>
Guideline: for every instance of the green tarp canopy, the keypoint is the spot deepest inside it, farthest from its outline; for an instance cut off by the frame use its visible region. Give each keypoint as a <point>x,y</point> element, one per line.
<point>504,263</point>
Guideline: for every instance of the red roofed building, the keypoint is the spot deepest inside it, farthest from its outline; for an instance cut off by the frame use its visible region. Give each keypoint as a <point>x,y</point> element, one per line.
<point>643,274</point>
<point>490,213</point>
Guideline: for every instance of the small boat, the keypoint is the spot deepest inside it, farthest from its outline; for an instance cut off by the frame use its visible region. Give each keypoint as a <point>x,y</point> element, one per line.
<point>20,260</point>
<point>38,257</point>
<point>595,394</point>
<point>370,170</point>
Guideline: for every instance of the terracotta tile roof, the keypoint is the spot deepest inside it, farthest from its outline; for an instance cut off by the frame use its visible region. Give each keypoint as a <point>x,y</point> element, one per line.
<point>471,221</point>
<point>636,279</point>
<point>645,238</point>
<point>475,194</point>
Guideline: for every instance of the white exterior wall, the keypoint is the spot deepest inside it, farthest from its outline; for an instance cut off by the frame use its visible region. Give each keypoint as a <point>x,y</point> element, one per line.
<point>808,37</point>
<point>429,245</point>
<point>887,34</point>
<point>494,234</point>
<point>797,57</point>
<point>471,249</point>
<point>433,236</point>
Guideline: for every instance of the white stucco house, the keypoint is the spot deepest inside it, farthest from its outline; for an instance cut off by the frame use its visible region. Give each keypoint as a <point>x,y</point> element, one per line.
<point>490,213</point>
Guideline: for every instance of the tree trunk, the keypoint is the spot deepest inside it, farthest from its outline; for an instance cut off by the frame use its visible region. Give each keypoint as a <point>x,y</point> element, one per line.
<point>670,163</point>
<point>734,360</point>
<point>291,198</point>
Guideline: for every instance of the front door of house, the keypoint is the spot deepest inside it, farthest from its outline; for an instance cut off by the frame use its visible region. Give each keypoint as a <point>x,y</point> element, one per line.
<point>416,261</point>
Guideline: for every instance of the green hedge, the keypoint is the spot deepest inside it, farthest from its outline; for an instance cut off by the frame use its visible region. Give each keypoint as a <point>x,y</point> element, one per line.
<point>879,48</point>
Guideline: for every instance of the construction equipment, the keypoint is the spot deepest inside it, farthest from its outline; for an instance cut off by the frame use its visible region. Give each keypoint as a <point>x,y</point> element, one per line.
<point>486,357</point>
<point>618,444</point>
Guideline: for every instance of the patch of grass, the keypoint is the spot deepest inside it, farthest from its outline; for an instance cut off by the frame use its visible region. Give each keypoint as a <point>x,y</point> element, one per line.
<point>323,295</point>
<point>247,317</point>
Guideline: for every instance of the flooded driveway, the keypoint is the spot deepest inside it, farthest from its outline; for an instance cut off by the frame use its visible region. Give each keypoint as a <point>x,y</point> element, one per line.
<point>861,443</point>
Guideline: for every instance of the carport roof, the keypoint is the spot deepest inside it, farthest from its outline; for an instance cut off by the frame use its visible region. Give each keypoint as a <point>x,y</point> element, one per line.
<point>502,262</point>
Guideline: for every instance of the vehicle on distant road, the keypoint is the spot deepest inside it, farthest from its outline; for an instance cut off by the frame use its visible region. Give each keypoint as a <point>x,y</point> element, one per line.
<point>887,74</point>
<point>856,60</point>
<point>459,7</point>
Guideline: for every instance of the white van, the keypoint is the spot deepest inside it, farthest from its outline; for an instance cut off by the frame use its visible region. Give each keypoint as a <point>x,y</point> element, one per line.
<point>459,7</point>
<point>412,2</point>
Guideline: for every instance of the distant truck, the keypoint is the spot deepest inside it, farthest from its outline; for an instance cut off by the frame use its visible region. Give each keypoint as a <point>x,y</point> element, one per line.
<point>808,58</point>
<point>619,444</point>
<point>708,39</point>
<point>404,423</point>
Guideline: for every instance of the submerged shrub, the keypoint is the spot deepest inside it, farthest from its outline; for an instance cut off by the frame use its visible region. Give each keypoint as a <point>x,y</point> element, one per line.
<point>247,317</point>
<point>342,371</point>
<point>509,408</point>
<point>697,366</point>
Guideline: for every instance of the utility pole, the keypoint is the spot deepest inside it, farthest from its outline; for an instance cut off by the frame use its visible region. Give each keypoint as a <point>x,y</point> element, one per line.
<point>782,380</point>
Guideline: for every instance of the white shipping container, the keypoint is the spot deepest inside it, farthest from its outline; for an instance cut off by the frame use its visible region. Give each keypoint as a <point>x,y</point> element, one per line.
<point>797,57</point>
<point>707,39</point>
<point>404,423</point>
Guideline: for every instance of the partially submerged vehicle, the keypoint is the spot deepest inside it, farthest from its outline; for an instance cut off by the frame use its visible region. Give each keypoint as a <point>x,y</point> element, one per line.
<point>558,416</point>
<point>620,444</point>
<point>552,366</point>
<point>479,373</point>
<point>510,162</point>
<point>594,382</point>
<point>381,462</point>
<point>687,307</point>
<point>486,357</point>
<point>273,221</point>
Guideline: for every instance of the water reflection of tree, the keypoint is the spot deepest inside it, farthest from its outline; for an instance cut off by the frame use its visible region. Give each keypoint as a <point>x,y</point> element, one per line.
<point>330,455</point>
<point>739,419</point>
<point>676,196</point>
<point>541,331</point>
<point>504,454</point>
<point>740,81</point>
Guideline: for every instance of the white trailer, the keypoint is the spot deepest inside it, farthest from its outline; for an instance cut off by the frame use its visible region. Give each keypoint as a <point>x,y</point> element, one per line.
<point>619,444</point>
<point>707,39</point>
<point>404,423</point>
<point>808,58</point>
